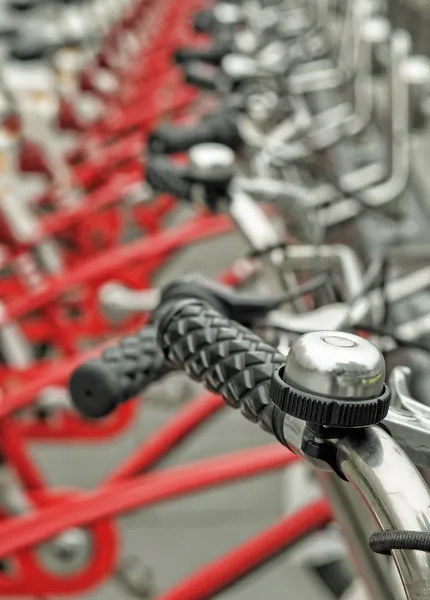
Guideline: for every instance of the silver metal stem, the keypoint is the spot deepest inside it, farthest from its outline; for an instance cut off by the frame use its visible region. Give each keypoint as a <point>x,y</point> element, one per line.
<point>262,235</point>
<point>252,221</point>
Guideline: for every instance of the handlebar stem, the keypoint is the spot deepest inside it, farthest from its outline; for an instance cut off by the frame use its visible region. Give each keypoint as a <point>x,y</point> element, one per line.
<point>396,495</point>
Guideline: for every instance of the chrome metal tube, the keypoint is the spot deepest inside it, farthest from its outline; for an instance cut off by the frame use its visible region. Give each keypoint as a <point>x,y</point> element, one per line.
<point>263,235</point>
<point>395,494</point>
<point>355,523</point>
<point>310,257</point>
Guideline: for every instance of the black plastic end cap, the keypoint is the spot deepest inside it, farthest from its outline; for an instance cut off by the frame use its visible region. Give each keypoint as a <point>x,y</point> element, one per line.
<point>326,411</point>
<point>94,390</point>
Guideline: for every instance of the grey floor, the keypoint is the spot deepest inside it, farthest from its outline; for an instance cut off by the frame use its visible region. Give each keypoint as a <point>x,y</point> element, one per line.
<point>173,539</point>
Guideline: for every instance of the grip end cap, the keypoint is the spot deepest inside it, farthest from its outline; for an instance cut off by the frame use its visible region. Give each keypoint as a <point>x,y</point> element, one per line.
<point>94,390</point>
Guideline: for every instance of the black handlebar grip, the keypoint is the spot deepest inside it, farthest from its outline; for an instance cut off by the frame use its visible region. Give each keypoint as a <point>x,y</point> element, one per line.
<point>99,386</point>
<point>220,129</point>
<point>168,139</point>
<point>165,177</point>
<point>23,4</point>
<point>200,75</point>
<point>31,49</point>
<point>212,54</point>
<point>203,21</point>
<point>226,357</point>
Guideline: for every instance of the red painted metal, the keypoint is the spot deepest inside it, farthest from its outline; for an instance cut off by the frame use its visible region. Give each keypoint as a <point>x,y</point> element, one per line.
<point>211,579</point>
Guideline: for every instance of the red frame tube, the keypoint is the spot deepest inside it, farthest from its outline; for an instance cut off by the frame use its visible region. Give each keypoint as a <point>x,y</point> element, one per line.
<point>165,439</point>
<point>223,572</point>
<point>138,493</point>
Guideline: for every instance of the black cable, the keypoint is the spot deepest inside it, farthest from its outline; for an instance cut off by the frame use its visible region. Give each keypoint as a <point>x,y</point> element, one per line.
<point>306,288</point>
<point>383,542</point>
<point>383,287</point>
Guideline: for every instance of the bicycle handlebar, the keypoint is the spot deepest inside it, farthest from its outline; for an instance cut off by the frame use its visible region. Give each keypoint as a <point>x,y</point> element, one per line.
<point>212,54</point>
<point>166,177</point>
<point>220,128</point>
<point>99,386</point>
<point>201,75</point>
<point>203,21</point>
<point>226,357</point>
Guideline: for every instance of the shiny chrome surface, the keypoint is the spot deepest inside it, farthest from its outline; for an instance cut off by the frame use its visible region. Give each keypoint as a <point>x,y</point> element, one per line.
<point>356,526</point>
<point>212,162</point>
<point>394,185</point>
<point>396,495</point>
<point>323,256</point>
<point>228,13</point>
<point>335,364</point>
<point>252,221</point>
<point>238,66</point>
<point>408,420</point>
<point>119,302</point>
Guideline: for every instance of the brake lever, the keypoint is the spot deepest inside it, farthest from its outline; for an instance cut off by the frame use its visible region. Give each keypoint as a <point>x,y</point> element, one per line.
<point>408,421</point>
<point>118,301</point>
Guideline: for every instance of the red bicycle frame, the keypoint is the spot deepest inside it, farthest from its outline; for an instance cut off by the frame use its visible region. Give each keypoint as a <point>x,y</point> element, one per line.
<point>127,490</point>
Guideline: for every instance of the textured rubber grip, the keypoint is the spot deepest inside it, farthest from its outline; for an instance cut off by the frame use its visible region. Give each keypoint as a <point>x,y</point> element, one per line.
<point>226,357</point>
<point>99,386</point>
<point>212,54</point>
<point>165,177</point>
<point>219,129</point>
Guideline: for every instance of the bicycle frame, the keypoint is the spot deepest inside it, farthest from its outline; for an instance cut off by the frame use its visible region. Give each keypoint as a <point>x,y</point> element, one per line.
<point>67,426</point>
<point>126,490</point>
<point>140,258</point>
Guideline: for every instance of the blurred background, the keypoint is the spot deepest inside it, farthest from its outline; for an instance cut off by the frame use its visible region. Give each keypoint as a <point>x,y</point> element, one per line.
<point>83,86</point>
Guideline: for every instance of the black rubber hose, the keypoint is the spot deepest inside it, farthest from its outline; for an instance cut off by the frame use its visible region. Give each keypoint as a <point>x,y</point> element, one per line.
<point>226,357</point>
<point>383,542</point>
<point>99,386</point>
